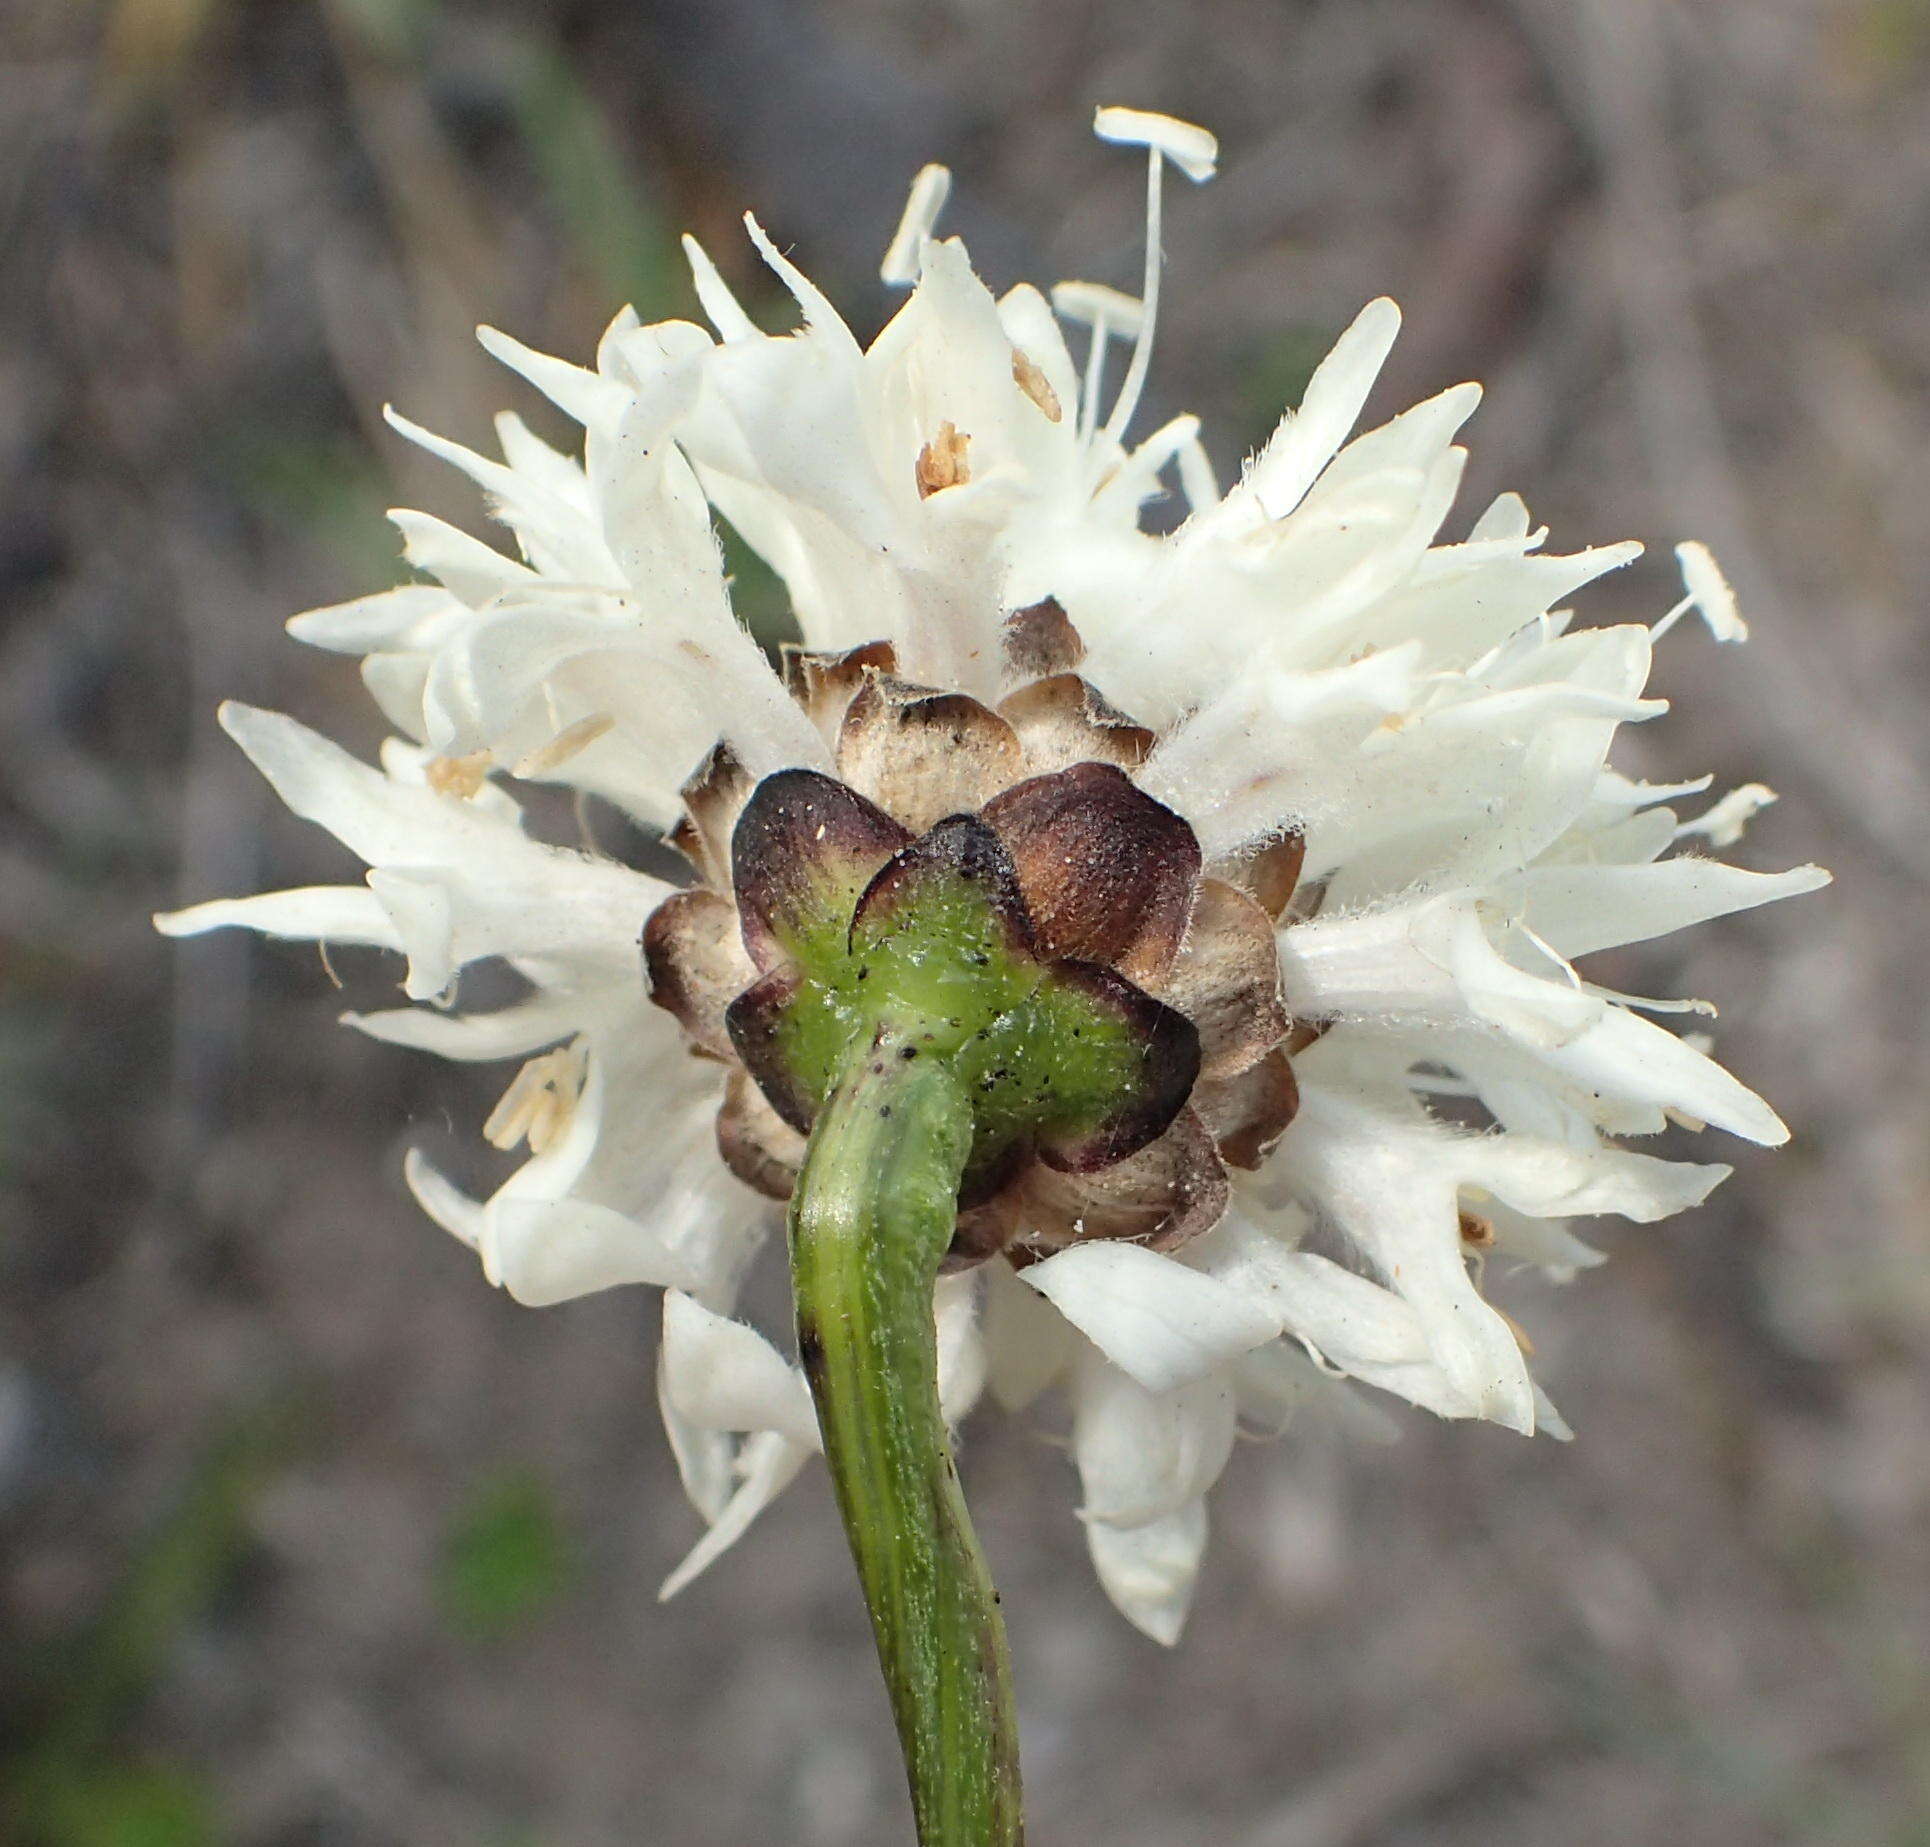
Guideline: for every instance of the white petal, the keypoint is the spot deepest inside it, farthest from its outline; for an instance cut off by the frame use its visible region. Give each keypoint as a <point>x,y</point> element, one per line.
<point>1398,1204</point>
<point>1149,1571</point>
<point>730,320</point>
<point>376,818</point>
<point>1634,1059</point>
<point>704,1458</point>
<point>548,1251</point>
<point>1354,1325</point>
<point>559,539</point>
<point>389,619</point>
<point>1579,909</point>
<point>448,1205</point>
<point>1549,1180</point>
<point>724,1375</point>
<point>1307,439</point>
<point>1433,959</point>
<point>464,566</point>
<point>395,682</point>
<point>578,393</point>
<point>1162,1323</point>
<point>767,1465</point>
<point>1506,518</point>
<point>1142,1454</point>
<point>815,305</point>
<point>509,1032</point>
<point>316,913</point>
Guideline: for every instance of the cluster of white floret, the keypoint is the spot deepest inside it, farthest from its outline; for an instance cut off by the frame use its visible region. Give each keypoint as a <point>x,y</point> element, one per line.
<point>1313,657</point>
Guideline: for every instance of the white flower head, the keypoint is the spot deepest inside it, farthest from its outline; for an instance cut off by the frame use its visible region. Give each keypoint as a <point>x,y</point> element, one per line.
<point>1308,800</point>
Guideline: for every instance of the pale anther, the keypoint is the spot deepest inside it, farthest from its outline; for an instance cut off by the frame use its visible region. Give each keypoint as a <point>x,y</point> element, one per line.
<point>459,776</point>
<point>566,744</point>
<point>929,192</point>
<point>1192,149</point>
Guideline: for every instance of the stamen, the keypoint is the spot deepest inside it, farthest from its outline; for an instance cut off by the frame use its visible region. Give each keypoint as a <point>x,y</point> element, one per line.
<point>566,744</point>
<point>1030,378</point>
<point>929,191</point>
<point>1560,961</point>
<point>1135,381</point>
<point>1662,627</point>
<point>1477,1233</point>
<point>1105,311</point>
<point>458,776</point>
<point>1196,153</point>
<point>942,462</point>
<point>540,1101</point>
<point>1707,1008</point>
<point>1709,593</point>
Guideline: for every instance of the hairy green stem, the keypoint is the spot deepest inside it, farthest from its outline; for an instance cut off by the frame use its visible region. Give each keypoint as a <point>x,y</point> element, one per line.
<point>870,1220</point>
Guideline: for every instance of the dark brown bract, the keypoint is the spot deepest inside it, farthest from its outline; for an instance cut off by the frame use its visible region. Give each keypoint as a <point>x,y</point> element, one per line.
<point>1092,894</point>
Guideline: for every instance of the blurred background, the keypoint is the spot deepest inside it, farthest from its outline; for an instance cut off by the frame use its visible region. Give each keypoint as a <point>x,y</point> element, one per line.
<point>307,1537</point>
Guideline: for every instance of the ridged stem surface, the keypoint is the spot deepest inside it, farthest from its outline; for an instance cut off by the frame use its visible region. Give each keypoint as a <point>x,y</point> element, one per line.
<point>870,1220</point>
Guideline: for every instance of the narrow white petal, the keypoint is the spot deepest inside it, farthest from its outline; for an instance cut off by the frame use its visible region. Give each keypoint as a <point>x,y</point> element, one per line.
<point>312,913</point>
<point>464,566</point>
<point>395,682</point>
<point>1551,1180</point>
<point>768,1465</point>
<point>819,315</point>
<point>1506,518</point>
<point>704,1458</point>
<point>1628,1057</point>
<point>730,320</point>
<point>1157,1320</point>
<point>1579,909</point>
<point>447,1204</point>
<point>1307,439</point>
<point>376,818</point>
<point>1397,1201</point>
<point>367,623</point>
<point>584,395</point>
<point>509,1032</point>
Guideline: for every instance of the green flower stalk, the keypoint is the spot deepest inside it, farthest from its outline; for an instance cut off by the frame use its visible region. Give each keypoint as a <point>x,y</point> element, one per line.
<point>870,1222</point>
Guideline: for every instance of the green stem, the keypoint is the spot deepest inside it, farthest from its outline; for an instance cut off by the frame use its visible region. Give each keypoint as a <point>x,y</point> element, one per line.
<point>870,1220</point>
